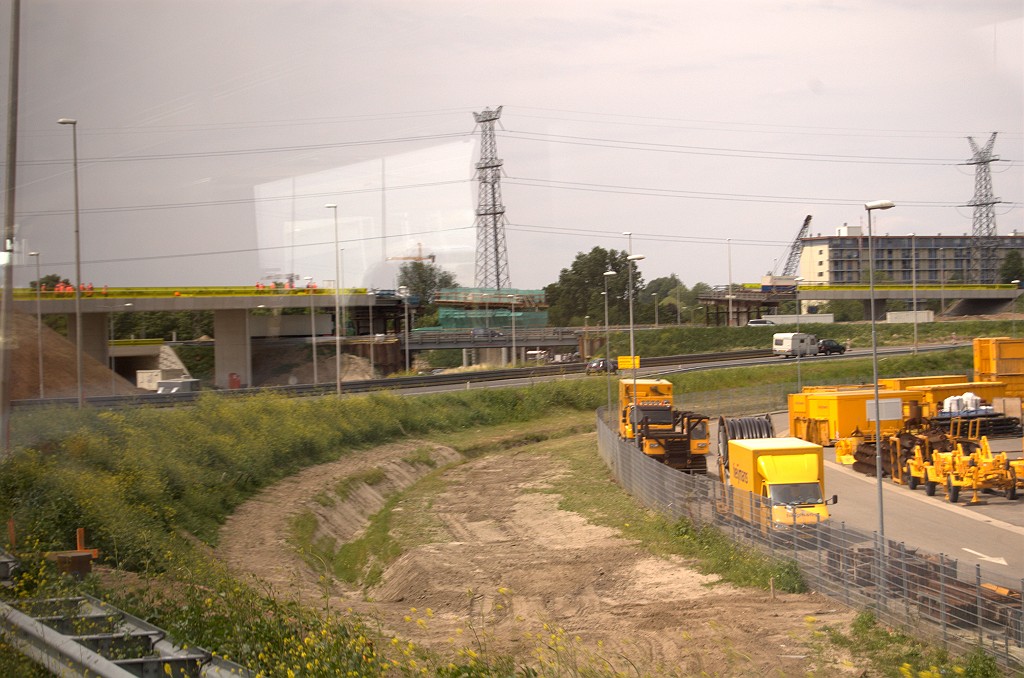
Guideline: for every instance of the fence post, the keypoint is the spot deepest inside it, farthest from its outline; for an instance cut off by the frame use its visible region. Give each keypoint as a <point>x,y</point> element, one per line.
<point>904,589</point>
<point>844,560</point>
<point>977,598</point>
<point>942,597</point>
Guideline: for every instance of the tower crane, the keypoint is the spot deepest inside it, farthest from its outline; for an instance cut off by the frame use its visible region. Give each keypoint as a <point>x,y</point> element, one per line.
<point>419,256</point>
<point>793,261</point>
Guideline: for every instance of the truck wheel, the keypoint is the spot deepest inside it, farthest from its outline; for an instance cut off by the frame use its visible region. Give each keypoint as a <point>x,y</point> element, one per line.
<point>1011,490</point>
<point>952,490</point>
<point>912,482</point>
<point>929,487</point>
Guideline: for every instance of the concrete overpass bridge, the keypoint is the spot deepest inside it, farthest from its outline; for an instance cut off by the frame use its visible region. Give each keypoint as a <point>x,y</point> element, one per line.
<point>749,302</point>
<point>237,312</point>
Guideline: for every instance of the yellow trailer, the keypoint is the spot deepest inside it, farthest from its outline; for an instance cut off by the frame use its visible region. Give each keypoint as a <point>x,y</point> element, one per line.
<point>931,397</point>
<point>902,383</point>
<point>843,412</point>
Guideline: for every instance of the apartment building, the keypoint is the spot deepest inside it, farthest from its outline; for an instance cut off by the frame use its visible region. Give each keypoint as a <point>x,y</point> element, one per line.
<point>841,259</point>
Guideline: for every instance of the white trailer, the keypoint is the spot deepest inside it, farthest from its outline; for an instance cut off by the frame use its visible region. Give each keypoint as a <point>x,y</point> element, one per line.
<point>793,344</point>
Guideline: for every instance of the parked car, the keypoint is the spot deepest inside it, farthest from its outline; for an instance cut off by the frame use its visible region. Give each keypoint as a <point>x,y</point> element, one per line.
<point>755,322</point>
<point>830,346</point>
<point>602,365</point>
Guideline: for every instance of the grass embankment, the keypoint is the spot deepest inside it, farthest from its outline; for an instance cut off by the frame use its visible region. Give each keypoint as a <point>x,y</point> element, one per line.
<point>149,485</point>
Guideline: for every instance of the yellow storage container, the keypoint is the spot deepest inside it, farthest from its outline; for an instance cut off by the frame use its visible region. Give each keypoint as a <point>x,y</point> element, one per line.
<point>902,383</point>
<point>1014,383</point>
<point>931,397</point>
<point>998,355</point>
<point>844,411</point>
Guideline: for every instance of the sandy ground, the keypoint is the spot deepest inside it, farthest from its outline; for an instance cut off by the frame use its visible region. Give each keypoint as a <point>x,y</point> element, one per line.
<point>502,561</point>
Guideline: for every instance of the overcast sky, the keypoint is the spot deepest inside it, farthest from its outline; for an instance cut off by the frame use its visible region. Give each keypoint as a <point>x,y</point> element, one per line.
<point>687,123</point>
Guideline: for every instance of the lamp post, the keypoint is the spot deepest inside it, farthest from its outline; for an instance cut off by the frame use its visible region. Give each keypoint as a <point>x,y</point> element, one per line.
<point>39,321</point>
<point>78,261</point>
<point>338,321</point>
<point>679,301</point>
<point>607,345</point>
<point>586,337</point>
<point>1013,315</point>
<point>512,298</point>
<point>312,324</point>
<point>913,284</point>
<point>403,292</point>
<point>655,295</point>
<point>728,247</point>
<point>942,279</point>
<point>373,335</point>
<point>632,346</point>
<point>693,311</point>
<point>799,380</point>
<point>871,207</point>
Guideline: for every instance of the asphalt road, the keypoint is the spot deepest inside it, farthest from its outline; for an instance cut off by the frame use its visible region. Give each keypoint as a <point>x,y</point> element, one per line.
<point>991,533</point>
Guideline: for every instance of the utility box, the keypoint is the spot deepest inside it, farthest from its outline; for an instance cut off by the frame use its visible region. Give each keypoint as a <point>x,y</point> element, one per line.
<point>178,386</point>
<point>150,379</point>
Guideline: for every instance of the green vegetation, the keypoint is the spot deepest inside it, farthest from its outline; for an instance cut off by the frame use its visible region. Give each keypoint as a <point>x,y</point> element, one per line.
<point>149,485</point>
<point>896,654</point>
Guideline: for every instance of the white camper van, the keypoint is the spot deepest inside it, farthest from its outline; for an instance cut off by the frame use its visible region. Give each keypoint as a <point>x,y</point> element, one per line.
<point>793,344</point>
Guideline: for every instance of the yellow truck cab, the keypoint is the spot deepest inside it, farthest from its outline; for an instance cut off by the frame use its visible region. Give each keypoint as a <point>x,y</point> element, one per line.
<point>784,476</point>
<point>678,439</point>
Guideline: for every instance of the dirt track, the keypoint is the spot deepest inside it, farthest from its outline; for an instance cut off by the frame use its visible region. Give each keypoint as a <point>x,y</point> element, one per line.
<point>503,560</point>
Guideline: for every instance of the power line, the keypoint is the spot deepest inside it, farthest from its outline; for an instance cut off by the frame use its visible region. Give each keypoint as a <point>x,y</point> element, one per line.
<point>700,195</point>
<point>253,151</point>
<point>720,152</point>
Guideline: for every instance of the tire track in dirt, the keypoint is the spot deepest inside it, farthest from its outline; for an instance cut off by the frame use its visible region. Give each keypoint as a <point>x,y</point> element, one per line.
<point>506,561</point>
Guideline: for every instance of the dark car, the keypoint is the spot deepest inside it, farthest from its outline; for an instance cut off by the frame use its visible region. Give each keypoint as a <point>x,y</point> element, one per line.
<point>485,332</point>
<point>830,346</point>
<point>601,365</point>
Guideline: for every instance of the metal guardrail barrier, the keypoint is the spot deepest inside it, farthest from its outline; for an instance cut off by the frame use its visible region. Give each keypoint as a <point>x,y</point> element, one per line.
<point>83,636</point>
<point>929,594</point>
<point>396,383</point>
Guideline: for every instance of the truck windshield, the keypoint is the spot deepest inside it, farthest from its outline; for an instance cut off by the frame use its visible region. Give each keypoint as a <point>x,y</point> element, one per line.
<point>658,417</point>
<point>796,493</point>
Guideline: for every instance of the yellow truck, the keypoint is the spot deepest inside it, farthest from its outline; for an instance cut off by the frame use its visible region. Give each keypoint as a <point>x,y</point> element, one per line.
<point>774,482</point>
<point>647,416</point>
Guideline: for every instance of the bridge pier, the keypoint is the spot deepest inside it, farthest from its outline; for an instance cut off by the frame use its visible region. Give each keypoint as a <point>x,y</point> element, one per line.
<point>880,308</point>
<point>94,334</point>
<point>232,349</point>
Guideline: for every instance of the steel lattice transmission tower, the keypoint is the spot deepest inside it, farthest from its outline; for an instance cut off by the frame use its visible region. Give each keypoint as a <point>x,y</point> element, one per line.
<point>983,235</point>
<point>491,251</point>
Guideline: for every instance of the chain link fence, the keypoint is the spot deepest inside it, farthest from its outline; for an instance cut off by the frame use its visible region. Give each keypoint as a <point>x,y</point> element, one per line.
<point>929,595</point>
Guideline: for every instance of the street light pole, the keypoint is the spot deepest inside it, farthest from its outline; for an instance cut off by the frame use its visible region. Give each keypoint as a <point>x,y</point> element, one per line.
<point>870,207</point>
<point>607,345</point>
<point>942,280</point>
<point>693,311</point>
<point>799,380</point>
<point>632,347</point>
<point>1013,314</point>
<point>655,295</point>
<point>913,283</point>
<point>312,323</point>
<point>512,298</point>
<point>39,321</point>
<point>373,335</point>
<point>403,291</point>
<point>679,301</point>
<point>337,302</point>
<point>728,246</point>
<point>78,262</point>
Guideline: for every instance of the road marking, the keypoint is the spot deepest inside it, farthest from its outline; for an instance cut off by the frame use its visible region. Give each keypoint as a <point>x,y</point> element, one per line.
<point>982,556</point>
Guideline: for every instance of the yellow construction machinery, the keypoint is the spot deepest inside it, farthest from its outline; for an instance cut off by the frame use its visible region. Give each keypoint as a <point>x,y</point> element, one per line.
<point>675,438</point>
